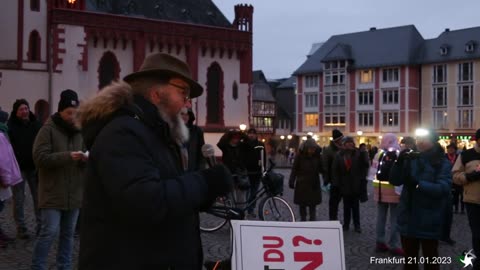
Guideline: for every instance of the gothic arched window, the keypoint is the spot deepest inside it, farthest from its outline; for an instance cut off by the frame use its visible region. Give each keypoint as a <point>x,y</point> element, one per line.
<point>108,69</point>
<point>215,94</point>
<point>34,47</point>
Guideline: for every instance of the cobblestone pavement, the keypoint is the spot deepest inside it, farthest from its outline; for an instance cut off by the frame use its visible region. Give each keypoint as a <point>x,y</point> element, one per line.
<point>359,248</point>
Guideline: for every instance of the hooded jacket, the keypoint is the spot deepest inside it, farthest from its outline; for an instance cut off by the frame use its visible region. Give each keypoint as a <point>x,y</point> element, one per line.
<point>467,162</point>
<point>427,184</point>
<point>60,178</point>
<point>22,135</point>
<point>139,204</point>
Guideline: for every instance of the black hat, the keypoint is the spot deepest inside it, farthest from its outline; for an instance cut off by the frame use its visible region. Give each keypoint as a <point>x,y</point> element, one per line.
<point>164,64</point>
<point>68,98</point>
<point>252,130</point>
<point>310,143</point>
<point>18,103</point>
<point>477,134</point>
<point>337,135</point>
<point>3,116</point>
<point>408,140</point>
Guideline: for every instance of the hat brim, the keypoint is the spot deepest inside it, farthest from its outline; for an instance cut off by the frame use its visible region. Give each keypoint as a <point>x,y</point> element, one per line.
<point>196,89</point>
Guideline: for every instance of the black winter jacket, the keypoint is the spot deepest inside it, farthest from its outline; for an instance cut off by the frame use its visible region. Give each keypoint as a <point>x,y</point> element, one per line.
<point>140,208</point>
<point>22,135</point>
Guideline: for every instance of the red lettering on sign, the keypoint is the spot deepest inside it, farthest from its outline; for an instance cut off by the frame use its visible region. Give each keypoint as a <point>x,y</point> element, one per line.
<point>315,259</point>
<point>273,255</point>
<point>296,240</point>
<point>278,244</point>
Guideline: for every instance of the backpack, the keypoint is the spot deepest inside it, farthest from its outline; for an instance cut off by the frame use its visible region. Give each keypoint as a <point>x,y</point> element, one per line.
<point>385,163</point>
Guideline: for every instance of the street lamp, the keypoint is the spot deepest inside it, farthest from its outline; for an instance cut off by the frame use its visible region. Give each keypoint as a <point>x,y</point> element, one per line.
<point>310,133</point>
<point>359,133</point>
<point>243,127</point>
<point>282,137</point>
<point>289,137</point>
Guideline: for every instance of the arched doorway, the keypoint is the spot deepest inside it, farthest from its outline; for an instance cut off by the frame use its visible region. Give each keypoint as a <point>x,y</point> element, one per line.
<point>42,110</point>
<point>108,69</point>
<point>215,101</point>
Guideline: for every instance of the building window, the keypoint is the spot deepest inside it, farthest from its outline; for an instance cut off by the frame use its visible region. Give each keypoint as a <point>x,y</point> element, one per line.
<point>443,50</point>
<point>311,119</point>
<point>366,76</point>
<point>390,96</point>
<point>440,96</point>
<point>263,108</point>
<point>311,81</point>
<point>390,119</point>
<point>365,97</point>
<point>440,119</point>
<point>465,118</point>
<point>440,74</point>
<point>263,124</point>
<point>235,90</point>
<point>34,47</point>
<point>465,72</point>
<point>311,100</point>
<point>334,119</point>
<point>365,119</point>
<point>465,95</point>
<point>335,98</point>
<point>35,5</point>
<point>108,69</point>
<point>470,47</point>
<point>390,75</point>
<point>214,94</point>
<point>334,77</point>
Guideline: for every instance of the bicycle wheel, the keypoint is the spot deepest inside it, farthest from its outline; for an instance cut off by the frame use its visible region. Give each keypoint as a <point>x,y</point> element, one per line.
<point>210,222</point>
<point>275,209</point>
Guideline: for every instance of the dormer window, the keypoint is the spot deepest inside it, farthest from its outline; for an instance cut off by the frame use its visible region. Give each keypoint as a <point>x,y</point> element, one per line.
<point>470,47</point>
<point>443,50</point>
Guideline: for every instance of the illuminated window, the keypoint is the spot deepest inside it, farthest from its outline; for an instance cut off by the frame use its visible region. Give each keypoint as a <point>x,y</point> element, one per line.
<point>311,119</point>
<point>366,76</point>
<point>440,119</point>
<point>465,118</point>
<point>390,119</point>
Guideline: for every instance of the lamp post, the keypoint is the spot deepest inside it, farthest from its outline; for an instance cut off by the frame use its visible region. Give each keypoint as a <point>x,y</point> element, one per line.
<point>243,127</point>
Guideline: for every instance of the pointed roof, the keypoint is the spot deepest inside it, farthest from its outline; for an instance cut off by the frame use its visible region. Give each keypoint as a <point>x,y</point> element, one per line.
<point>203,12</point>
<point>373,48</point>
<point>261,90</point>
<point>455,43</point>
<point>289,83</point>
<point>339,52</point>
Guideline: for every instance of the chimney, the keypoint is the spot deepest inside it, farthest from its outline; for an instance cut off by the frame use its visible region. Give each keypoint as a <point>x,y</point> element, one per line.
<point>373,28</point>
<point>447,29</point>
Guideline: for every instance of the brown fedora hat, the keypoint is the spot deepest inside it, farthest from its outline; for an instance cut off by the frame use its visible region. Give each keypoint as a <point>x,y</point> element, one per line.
<point>161,63</point>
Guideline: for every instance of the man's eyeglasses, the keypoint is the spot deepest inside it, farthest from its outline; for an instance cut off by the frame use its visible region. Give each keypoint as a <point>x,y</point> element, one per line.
<point>185,92</point>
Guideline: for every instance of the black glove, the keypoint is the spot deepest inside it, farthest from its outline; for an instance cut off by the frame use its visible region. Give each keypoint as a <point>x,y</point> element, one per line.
<point>219,180</point>
<point>473,176</point>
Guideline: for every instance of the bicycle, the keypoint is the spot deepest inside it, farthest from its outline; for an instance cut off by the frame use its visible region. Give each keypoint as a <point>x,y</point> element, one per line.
<point>271,207</point>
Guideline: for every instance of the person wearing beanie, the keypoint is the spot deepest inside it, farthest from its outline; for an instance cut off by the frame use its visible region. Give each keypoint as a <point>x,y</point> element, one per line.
<point>22,130</point>
<point>68,99</point>
<point>425,198</point>
<point>466,173</point>
<point>349,170</point>
<point>386,195</point>
<point>327,160</point>
<point>305,180</point>
<point>59,154</point>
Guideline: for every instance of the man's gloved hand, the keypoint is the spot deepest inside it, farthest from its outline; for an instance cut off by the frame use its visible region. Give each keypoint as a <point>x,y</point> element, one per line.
<point>219,180</point>
<point>473,176</point>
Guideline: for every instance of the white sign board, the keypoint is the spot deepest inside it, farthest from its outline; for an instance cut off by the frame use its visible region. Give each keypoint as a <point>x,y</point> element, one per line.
<point>287,245</point>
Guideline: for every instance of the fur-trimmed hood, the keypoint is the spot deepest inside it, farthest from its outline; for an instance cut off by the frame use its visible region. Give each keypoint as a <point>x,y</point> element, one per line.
<point>95,113</point>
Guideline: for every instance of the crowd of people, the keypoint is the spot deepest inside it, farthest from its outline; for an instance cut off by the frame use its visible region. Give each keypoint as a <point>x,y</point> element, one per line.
<point>130,159</point>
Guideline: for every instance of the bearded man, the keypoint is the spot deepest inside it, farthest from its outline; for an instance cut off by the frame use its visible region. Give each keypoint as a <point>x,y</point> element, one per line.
<point>141,206</point>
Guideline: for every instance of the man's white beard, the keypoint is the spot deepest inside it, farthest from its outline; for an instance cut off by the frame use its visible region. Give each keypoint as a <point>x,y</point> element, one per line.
<point>178,128</point>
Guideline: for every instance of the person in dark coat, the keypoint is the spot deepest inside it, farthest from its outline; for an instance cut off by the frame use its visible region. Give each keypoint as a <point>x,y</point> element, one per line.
<point>196,161</point>
<point>328,157</point>
<point>426,178</point>
<point>140,207</point>
<point>22,130</point>
<point>349,169</point>
<point>254,150</point>
<point>305,179</point>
